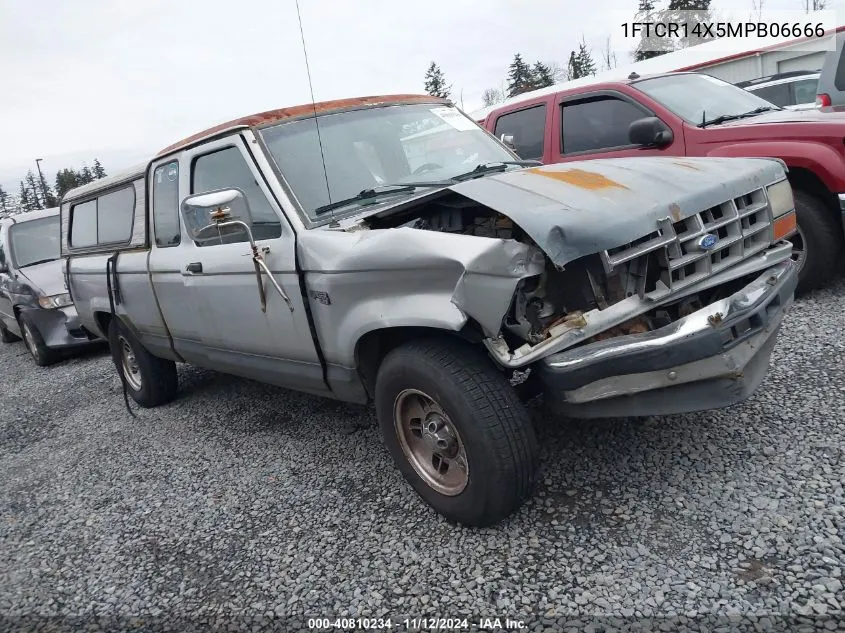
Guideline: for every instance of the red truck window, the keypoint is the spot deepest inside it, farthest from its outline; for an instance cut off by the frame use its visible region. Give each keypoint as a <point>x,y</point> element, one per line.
<point>598,123</point>
<point>528,128</point>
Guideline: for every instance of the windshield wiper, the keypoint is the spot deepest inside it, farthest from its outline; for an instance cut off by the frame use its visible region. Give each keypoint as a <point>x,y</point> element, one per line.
<point>380,190</point>
<point>732,117</point>
<point>494,166</point>
<point>39,261</point>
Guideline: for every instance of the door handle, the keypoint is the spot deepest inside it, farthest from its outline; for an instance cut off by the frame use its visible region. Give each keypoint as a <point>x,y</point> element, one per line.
<point>194,267</point>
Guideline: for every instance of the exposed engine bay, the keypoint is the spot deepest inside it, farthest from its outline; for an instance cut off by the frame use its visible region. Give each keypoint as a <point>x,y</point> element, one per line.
<point>557,300</point>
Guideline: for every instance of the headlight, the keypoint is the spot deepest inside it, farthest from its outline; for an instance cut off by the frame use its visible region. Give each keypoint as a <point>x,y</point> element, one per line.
<point>780,197</point>
<point>56,301</point>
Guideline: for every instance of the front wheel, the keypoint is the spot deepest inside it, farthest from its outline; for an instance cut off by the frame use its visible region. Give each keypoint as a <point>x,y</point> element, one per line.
<point>41,354</point>
<point>457,430</point>
<point>150,380</point>
<point>818,244</point>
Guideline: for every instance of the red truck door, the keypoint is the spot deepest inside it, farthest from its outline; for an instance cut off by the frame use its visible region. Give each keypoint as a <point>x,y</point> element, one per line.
<point>595,125</point>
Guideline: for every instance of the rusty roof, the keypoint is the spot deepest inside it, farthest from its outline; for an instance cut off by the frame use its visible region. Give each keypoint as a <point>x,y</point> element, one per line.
<point>307,109</point>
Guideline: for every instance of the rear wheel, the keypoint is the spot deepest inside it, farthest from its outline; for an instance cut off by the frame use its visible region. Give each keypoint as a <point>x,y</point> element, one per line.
<point>818,244</point>
<point>41,354</point>
<point>150,380</point>
<point>457,430</point>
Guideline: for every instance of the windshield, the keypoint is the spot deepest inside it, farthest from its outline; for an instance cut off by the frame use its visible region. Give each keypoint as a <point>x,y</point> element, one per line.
<point>700,97</point>
<point>34,241</point>
<point>376,146</point>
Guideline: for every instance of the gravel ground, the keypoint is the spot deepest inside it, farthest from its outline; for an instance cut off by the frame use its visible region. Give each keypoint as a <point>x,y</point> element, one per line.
<point>242,506</point>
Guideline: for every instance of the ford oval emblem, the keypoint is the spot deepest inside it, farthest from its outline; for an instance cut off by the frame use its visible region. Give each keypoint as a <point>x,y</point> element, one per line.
<point>706,242</point>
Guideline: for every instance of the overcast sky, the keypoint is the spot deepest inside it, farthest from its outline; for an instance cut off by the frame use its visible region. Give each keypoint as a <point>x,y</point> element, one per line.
<point>120,80</point>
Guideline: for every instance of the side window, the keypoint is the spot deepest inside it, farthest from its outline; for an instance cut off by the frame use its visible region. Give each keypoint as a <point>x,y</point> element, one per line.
<point>528,128</point>
<point>778,94</point>
<point>598,123</point>
<point>83,224</point>
<point>804,91</point>
<point>115,212</point>
<point>166,204</point>
<point>839,77</point>
<point>227,168</point>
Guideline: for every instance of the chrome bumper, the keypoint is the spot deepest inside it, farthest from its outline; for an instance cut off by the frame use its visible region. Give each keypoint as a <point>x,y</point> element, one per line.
<point>712,358</point>
<point>841,197</point>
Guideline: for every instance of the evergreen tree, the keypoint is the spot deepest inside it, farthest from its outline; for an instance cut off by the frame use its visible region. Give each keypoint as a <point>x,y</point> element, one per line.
<point>651,46</point>
<point>435,83</point>
<point>47,193</point>
<point>24,199</point>
<point>85,175</point>
<point>98,170</point>
<point>542,75</point>
<point>572,69</point>
<point>697,11</point>
<point>5,203</point>
<point>586,65</point>
<point>520,77</point>
<point>66,180</point>
<point>34,198</point>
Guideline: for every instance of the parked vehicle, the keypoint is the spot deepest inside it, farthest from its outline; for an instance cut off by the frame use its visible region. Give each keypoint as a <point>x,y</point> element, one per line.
<point>34,303</point>
<point>831,89</point>
<point>795,90</point>
<point>398,254</point>
<point>690,114</point>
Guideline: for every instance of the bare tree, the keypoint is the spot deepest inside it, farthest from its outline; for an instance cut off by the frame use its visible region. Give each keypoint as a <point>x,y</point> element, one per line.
<point>757,9</point>
<point>814,5</point>
<point>608,55</point>
<point>560,73</point>
<point>492,96</point>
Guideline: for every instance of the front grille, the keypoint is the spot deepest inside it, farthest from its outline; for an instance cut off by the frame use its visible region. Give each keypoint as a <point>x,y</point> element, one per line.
<point>742,225</point>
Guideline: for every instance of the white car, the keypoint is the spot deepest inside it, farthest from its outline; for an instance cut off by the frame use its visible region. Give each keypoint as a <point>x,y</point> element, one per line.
<point>794,90</point>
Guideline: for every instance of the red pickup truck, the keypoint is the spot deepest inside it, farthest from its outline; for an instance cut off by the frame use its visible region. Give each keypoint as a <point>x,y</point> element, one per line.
<point>692,114</point>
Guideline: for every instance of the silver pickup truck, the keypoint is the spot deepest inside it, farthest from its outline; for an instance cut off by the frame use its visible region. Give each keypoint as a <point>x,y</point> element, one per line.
<point>389,250</point>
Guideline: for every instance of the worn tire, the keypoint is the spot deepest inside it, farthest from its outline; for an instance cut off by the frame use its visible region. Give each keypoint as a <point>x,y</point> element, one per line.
<point>822,236</point>
<point>494,426</point>
<point>41,354</point>
<point>6,336</point>
<point>158,378</point>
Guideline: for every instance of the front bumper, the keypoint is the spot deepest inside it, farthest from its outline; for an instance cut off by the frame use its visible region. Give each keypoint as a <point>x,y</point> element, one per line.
<point>712,358</point>
<point>60,327</point>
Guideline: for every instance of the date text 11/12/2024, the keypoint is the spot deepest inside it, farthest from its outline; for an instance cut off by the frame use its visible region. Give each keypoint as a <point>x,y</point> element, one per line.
<point>416,624</point>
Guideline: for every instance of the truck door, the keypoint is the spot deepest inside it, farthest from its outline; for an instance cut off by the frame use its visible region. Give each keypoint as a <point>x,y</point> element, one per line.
<point>595,125</point>
<point>7,313</point>
<point>237,337</point>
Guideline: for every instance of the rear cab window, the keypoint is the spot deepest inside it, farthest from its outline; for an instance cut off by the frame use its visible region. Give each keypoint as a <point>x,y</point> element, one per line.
<point>528,128</point>
<point>104,220</point>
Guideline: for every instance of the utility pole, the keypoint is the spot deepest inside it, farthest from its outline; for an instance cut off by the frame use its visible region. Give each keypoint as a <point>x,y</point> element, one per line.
<point>41,180</point>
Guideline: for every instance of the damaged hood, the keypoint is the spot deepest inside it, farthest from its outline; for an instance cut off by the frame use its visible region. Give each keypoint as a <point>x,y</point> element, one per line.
<point>580,208</point>
<point>46,277</point>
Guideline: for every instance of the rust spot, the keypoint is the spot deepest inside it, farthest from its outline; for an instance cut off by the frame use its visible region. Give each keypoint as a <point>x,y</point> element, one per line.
<point>715,319</point>
<point>685,165</point>
<point>580,178</point>
<point>675,211</point>
<point>300,111</point>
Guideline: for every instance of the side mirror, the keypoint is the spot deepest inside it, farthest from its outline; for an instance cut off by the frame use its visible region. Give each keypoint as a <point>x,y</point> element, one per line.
<point>650,132</point>
<point>208,215</point>
<point>507,139</point>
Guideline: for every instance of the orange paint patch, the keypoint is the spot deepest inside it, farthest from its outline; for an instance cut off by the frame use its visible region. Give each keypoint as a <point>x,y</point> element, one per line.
<point>580,178</point>
<point>785,225</point>
<point>675,211</point>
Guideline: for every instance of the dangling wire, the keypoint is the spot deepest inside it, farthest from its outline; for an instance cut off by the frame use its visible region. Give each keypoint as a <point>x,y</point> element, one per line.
<point>313,103</point>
